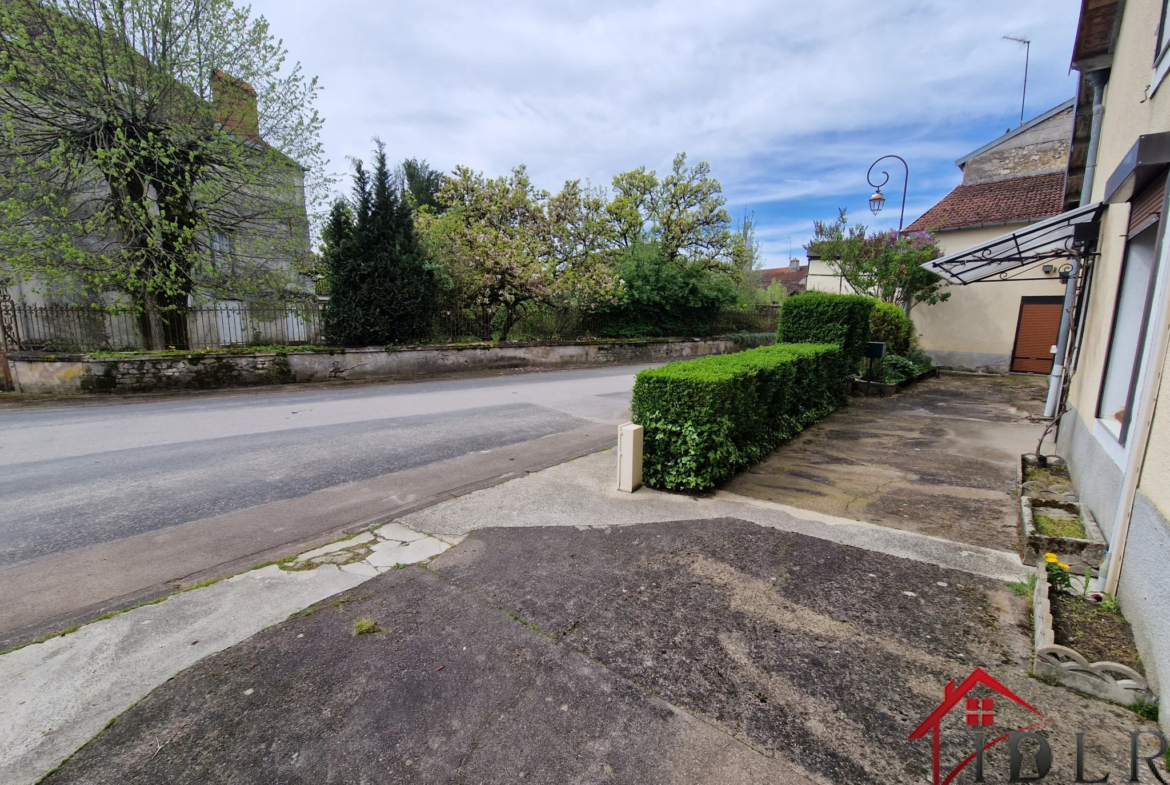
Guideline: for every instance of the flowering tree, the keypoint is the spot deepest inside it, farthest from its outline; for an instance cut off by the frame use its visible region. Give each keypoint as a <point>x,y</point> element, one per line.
<point>492,242</point>
<point>887,266</point>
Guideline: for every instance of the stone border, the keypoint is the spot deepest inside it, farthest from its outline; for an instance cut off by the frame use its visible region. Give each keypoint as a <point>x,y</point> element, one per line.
<point>1033,489</point>
<point>1090,551</point>
<point>1110,681</point>
<point>73,374</point>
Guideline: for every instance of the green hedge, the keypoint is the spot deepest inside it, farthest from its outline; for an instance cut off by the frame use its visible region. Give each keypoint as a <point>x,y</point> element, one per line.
<point>706,419</point>
<point>890,325</point>
<point>817,317</point>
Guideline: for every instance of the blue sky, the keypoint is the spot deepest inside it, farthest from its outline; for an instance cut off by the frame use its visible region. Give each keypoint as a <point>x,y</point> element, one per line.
<point>789,100</point>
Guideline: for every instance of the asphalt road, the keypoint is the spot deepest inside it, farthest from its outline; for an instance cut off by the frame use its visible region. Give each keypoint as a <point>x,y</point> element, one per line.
<point>79,476</point>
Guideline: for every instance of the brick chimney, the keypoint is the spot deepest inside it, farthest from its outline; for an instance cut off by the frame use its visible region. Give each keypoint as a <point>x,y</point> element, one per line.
<point>235,105</point>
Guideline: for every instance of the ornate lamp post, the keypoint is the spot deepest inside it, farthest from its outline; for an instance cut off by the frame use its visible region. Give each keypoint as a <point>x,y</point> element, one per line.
<point>878,201</point>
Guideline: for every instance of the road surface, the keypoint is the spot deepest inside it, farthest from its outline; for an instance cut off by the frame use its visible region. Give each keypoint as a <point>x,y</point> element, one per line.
<point>85,477</point>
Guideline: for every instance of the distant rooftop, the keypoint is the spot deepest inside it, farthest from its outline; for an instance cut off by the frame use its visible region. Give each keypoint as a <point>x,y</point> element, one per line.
<point>1016,200</point>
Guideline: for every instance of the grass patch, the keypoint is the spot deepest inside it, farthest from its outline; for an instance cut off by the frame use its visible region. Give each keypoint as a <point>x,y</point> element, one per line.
<point>1023,588</point>
<point>1147,711</point>
<point>1053,475</point>
<point>1059,527</point>
<point>365,626</point>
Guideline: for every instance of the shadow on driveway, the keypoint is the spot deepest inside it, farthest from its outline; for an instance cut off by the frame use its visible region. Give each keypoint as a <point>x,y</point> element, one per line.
<point>939,459</point>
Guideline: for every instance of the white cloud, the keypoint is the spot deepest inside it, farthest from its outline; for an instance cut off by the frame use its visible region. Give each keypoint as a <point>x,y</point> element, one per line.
<point>788,99</point>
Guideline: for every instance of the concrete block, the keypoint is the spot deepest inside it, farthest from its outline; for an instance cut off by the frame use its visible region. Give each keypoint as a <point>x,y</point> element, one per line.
<point>629,457</point>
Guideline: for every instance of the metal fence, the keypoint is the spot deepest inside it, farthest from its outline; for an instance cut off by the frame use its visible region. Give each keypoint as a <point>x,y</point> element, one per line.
<point>79,329</point>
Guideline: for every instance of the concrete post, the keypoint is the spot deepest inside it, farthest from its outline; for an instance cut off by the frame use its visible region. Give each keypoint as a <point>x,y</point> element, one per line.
<point>629,457</point>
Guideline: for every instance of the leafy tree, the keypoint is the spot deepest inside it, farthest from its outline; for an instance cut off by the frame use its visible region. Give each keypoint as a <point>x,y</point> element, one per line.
<point>508,246</point>
<point>887,266</point>
<point>136,131</point>
<point>664,298</point>
<point>776,293</point>
<point>382,290</point>
<point>683,213</point>
<point>421,184</point>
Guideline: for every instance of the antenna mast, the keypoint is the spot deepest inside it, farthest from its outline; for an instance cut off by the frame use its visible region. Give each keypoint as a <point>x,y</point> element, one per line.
<point>1027,42</point>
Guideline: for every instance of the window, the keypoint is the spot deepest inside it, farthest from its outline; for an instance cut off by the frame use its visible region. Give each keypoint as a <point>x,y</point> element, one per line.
<point>1163,33</point>
<point>1130,317</point>
<point>223,250</point>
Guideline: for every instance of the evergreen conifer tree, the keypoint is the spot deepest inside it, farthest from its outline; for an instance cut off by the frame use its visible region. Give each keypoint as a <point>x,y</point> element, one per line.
<point>381,289</point>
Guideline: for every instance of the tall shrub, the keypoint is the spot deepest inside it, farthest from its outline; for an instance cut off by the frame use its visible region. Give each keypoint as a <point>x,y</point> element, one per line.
<point>381,289</point>
<point>890,325</point>
<point>818,317</point>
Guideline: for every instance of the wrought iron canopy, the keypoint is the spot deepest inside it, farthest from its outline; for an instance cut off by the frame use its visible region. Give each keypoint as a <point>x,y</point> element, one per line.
<point>1060,237</point>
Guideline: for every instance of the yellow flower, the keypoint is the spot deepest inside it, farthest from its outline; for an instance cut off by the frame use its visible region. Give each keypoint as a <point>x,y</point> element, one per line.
<point>1062,566</point>
<point>1051,558</point>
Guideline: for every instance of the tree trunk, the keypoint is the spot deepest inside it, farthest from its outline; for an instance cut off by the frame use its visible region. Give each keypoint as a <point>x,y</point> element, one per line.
<point>153,322</point>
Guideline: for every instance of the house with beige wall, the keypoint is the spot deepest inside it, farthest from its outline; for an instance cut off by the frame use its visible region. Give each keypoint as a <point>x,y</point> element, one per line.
<point>1012,181</point>
<point>1010,324</point>
<point>1109,385</point>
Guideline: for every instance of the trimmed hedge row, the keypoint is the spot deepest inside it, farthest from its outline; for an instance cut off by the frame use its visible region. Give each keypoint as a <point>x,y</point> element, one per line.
<point>890,325</point>
<point>818,317</point>
<point>706,419</point>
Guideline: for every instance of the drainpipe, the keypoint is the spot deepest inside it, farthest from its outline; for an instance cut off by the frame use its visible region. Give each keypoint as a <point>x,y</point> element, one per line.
<point>1139,429</point>
<point>1097,80</point>
<point>1056,378</point>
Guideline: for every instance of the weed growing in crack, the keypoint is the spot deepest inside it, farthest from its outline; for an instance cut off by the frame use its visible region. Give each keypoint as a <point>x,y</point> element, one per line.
<point>365,626</point>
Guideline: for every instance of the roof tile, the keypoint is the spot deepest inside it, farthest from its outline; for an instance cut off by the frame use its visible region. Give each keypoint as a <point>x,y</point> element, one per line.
<point>1003,201</point>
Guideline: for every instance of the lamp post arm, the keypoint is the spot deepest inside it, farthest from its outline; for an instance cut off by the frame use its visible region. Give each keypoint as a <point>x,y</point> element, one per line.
<point>905,183</point>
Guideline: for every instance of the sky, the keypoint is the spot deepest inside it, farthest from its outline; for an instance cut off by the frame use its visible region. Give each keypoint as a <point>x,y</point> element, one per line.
<point>790,101</point>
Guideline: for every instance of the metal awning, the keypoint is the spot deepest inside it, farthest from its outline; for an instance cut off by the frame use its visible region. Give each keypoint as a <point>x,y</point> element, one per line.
<point>1051,238</point>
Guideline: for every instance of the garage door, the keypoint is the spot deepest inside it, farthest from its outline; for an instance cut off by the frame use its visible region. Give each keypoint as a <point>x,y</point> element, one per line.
<point>1036,334</point>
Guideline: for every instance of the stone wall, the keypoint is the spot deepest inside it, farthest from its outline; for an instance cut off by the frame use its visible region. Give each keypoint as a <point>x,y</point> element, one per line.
<point>1042,149</point>
<point>74,374</point>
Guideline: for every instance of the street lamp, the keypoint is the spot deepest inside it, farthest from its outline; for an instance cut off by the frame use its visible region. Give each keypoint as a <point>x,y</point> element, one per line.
<point>878,200</point>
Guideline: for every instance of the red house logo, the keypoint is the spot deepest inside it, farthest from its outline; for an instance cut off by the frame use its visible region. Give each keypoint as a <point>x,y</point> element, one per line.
<point>979,713</point>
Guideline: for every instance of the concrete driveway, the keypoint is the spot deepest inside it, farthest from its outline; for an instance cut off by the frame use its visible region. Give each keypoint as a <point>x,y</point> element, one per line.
<point>712,651</point>
<point>939,458</point>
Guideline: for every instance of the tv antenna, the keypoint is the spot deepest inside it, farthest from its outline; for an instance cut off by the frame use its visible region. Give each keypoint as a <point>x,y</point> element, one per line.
<point>1027,42</point>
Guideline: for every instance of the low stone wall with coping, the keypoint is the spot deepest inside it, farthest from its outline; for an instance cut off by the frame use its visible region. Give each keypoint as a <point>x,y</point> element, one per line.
<point>56,374</point>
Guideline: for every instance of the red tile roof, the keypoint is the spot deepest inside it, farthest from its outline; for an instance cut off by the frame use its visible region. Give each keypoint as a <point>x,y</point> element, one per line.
<point>1004,201</point>
<point>793,278</point>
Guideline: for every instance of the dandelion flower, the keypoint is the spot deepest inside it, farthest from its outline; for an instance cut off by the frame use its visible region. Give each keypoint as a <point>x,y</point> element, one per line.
<point>1062,566</point>
<point>1051,558</point>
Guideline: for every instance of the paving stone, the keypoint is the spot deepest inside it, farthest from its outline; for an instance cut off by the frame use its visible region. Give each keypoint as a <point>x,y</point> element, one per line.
<point>333,547</point>
<point>411,553</point>
<point>396,531</point>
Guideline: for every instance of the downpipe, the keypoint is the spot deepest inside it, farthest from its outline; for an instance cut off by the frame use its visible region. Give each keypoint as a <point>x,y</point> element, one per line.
<point>1056,378</point>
